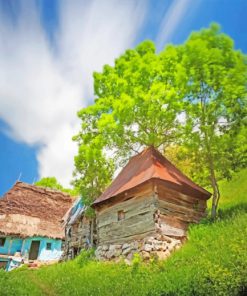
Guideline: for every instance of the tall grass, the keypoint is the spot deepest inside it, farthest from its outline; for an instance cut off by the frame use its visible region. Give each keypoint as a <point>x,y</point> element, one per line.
<point>212,262</point>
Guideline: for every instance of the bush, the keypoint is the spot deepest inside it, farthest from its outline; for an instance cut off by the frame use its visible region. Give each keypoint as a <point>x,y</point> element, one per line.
<point>85,257</point>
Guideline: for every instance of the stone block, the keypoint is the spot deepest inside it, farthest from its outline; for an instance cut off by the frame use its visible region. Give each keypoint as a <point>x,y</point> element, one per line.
<point>105,247</point>
<point>145,255</point>
<point>125,246</point>
<point>162,255</point>
<point>126,251</point>
<point>118,246</point>
<point>148,247</point>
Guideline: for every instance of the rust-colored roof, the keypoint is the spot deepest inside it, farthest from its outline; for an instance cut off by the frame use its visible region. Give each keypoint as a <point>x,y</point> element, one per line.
<point>147,165</point>
<point>28,210</point>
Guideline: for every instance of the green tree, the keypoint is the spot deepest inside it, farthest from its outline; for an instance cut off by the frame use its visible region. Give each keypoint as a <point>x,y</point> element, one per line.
<point>214,79</point>
<point>52,183</point>
<point>192,95</point>
<point>137,104</point>
<point>93,171</point>
<point>180,155</point>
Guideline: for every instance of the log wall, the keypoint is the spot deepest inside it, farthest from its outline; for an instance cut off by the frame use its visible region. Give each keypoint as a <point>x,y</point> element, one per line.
<point>138,220</point>
<point>176,211</point>
<point>148,210</point>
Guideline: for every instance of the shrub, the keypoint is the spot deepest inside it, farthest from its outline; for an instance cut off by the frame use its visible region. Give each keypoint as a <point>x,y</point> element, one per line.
<point>85,256</point>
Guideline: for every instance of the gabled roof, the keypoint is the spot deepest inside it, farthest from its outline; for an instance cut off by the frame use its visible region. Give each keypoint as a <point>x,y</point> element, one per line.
<point>28,210</point>
<point>148,165</point>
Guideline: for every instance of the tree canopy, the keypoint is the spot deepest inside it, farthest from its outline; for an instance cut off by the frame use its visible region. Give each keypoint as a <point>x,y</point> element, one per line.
<point>214,80</point>
<point>191,95</point>
<point>52,183</point>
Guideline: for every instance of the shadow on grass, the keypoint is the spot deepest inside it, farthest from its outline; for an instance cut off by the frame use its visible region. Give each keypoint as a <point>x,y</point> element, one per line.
<point>230,212</point>
<point>226,213</point>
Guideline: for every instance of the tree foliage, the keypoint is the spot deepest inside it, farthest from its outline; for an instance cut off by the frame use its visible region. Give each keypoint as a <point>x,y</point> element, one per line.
<point>191,98</point>
<point>137,100</point>
<point>136,105</point>
<point>52,183</point>
<point>214,79</point>
<point>93,171</point>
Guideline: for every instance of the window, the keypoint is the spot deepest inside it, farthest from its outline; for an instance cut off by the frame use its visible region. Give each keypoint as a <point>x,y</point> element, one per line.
<point>48,246</point>
<point>120,215</point>
<point>2,241</point>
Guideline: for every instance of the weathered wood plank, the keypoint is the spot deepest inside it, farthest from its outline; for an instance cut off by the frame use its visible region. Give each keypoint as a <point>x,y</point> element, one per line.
<point>139,191</point>
<point>131,208</point>
<point>180,216</point>
<point>128,238</point>
<point>171,230</point>
<point>128,227</point>
<point>173,221</point>
<point>183,197</point>
<point>175,199</point>
<point>126,203</point>
<point>179,208</point>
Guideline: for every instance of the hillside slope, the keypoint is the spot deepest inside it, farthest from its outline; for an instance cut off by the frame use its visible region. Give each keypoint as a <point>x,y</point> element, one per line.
<point>212,262</point>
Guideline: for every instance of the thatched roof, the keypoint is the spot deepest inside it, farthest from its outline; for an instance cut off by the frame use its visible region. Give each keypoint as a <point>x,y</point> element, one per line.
<point>148,165</point>
<point>27,210</point>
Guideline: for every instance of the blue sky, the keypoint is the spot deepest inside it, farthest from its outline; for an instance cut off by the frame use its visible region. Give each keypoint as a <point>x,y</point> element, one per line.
<point>48,51</point>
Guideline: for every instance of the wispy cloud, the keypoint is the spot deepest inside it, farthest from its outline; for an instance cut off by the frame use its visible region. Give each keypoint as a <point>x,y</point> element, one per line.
<point>42,87</point>
<point>174,18</point>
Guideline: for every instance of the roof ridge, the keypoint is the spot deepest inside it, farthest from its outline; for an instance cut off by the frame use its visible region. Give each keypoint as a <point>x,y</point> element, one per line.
<point>37,188</point>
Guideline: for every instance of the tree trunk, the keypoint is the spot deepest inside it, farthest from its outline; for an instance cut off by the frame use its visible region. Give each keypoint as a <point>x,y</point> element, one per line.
<point>216,192</point>
<point>214,184</point>
<point>209,156</point>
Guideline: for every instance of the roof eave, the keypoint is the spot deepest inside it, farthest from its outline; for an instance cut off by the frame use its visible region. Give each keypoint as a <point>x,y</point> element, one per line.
<point>202,194</point>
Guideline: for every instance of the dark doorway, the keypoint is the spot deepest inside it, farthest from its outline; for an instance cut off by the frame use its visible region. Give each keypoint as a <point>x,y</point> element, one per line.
<point>34,250</point>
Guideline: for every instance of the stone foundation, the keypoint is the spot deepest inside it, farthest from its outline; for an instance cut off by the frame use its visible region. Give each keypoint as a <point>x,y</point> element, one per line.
<point>160,247</point>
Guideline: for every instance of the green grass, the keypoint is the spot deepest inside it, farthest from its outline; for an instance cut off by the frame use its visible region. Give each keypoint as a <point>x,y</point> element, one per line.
<point>234,193</point>
<point>212,262</point>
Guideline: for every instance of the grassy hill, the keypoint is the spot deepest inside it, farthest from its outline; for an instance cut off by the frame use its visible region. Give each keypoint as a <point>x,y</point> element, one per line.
<point>212,262</point>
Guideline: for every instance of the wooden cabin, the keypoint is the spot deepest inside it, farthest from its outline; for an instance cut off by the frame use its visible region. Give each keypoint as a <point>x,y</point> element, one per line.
<point>30,224</point>
<point>147,208</point>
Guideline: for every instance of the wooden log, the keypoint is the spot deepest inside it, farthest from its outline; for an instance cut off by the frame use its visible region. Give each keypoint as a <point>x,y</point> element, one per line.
<point>169,230</point>
<point>179,215</point>
<point>173,221</point>
<point>126,239</point>
<point>174,199</point>
<point>162,191</point>
<point>180,209</point>
<point>131,208</point>
<point>144,189</point>
<point>128,227</point>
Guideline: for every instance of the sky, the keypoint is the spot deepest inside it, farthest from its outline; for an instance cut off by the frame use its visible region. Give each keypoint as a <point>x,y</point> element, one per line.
<point>48,52</point>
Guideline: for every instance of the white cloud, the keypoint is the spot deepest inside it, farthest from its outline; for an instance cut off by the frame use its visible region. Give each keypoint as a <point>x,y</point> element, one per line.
<point>174,17</point>
<point>42,87</point>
